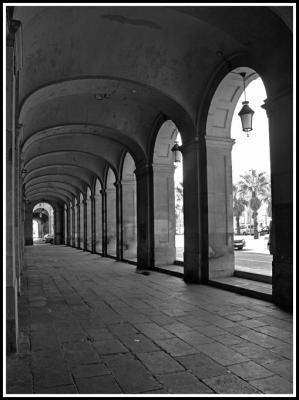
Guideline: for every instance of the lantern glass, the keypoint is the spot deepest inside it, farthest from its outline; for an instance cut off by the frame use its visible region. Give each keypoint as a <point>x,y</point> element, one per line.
<point>177,152</point>
<point>246,114</point>
<point>177,156</point>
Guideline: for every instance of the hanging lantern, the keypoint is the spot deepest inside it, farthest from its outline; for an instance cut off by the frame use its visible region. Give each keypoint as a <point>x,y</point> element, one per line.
<point>176,149</point>
<point>246,112</point>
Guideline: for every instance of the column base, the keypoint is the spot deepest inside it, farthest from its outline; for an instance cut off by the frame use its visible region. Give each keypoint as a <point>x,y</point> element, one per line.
<point>282,284</point>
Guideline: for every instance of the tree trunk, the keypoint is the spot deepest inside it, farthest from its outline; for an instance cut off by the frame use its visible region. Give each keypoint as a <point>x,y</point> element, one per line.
<point>238,224</point>
<point>255,230</point>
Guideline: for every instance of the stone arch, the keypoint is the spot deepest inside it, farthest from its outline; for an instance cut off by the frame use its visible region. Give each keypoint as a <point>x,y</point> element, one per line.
<point>129,209</point>
<point>46,222</point>
<point>164,200</point>
<point>219,170</point>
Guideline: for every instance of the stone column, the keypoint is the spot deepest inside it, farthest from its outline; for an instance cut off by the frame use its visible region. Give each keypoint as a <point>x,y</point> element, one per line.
<point>111,225</point>
<point>58,225</point>
<point>93,224</point>
<point>84,204</point>
<point>145,217</point>
<point>164,211</point>
<point>11,272</point>
<point>195,234</point>
<point>28,225</point>
<point>104,222</point>
<point>279,111</point>
<point>78,225</point>
<point>220,206</point>
<point>119,221</point>
<point>129,215</point>
<point>18,201</point>
<point>73,225</point>
<point>68,231</point>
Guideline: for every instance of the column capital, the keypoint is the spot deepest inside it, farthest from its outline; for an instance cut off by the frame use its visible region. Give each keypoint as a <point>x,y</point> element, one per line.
<point>164,168</point>
<point>222,142</point>
<point>143,170</point>
<point>103,191</point>
<point>117,183</point>
<point>192,144</point>
<point>92,197</point>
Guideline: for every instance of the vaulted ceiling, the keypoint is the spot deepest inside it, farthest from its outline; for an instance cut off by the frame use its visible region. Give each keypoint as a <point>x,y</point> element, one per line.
<point>96,80</point>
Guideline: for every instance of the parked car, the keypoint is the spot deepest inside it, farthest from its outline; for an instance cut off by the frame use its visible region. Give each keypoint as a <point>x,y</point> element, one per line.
<point>49,238</point>
<point>264,231</point>
<point>243,230</point>
<point>239,242</point>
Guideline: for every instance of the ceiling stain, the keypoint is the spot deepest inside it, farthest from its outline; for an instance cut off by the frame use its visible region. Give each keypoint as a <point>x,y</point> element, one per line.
<point>131,21</point>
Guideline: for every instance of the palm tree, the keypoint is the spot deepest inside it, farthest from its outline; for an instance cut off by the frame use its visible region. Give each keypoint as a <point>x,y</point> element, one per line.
<point>239,204</point>
<point>267,199</point>
<point>179,206</point>
<point>255,187</point>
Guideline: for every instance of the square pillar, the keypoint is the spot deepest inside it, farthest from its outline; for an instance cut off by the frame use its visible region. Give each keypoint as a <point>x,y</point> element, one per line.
<point>195,233</point>
<point>145,217</point>
<point>280,114</point>
<point>220,206</point>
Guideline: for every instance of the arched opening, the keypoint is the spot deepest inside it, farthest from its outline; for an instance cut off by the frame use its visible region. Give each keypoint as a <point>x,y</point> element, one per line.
<point>43,223</point>
<point>129,209</point>
<point>111,214</point>
<point>252,188</point>
<point>35,229</point>
<point>88,221</point>
<point>81,226</point>
<point>223,135</point>
<point>98,218</point>
<point>168,198</point>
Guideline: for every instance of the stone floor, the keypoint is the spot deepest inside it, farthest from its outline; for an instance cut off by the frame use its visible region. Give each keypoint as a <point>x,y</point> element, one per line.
<point>92,325</point>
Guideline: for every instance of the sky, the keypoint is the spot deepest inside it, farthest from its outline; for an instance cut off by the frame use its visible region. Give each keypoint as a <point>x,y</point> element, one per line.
<point>251,152</point>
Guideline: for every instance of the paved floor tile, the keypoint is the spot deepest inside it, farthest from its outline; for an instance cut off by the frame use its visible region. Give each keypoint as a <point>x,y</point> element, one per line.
<point>230,384</point>
<point>194,338</point>
<point>228,339</point>
<point>250,370</point>
<point>139,344</point>
<point>210,330</point>
<point>88,371</point>
<point>92,325</point>
<point>202,366</point>
<point>273,385</point>
<point>252,323</point>
<point>176,347</point>
<point>281,368</point>
<point>97,385</point>
<point>110,346</point>
<point>154,331</point>
<point>66,389</point>
<point>261,339</point>
<point>131,375</point>
<point>222,354</point>
<point>184,383</point>
<point>159,362</point>
<point>48,377</point>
